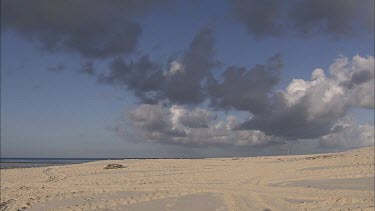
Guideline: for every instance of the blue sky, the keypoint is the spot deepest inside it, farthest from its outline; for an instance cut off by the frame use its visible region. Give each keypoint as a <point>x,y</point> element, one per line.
<point>66,113</point>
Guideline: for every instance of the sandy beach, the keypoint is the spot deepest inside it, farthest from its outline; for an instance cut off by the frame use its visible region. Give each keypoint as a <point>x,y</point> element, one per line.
<point>337,181</point>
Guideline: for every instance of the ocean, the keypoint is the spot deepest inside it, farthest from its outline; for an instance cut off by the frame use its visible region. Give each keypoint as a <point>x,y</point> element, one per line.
<point>10,163</point>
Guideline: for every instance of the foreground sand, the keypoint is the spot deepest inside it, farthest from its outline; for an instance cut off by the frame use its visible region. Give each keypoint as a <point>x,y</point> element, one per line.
<point>339,181</point>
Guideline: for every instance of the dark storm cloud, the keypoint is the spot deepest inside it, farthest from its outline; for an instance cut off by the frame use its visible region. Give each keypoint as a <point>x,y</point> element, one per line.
<point>362,76</point>
<point>181,83</point>
<point>144,77</point>
<point>293,122</point>
<point>243,89</point>
<point>185,83</point>
<point>91,28</point>
<point>335,18</point>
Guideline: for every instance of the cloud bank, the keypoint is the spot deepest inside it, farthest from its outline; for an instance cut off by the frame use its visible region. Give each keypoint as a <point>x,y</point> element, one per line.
<point>315,109</point>
<point>197,127</point>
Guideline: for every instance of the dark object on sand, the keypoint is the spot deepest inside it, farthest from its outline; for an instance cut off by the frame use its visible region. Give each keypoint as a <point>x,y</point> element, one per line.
<point>114,166</point>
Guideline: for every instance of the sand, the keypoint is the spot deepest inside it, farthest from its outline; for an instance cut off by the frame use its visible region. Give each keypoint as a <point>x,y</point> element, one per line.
<point>337,181</point>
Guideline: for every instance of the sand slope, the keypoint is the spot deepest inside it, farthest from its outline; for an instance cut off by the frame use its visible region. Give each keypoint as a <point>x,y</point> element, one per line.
<point>338,181</point>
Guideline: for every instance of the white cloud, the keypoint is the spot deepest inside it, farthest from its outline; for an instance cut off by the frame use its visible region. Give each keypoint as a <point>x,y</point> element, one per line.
<point>175,68</point>
<point>348,134</point>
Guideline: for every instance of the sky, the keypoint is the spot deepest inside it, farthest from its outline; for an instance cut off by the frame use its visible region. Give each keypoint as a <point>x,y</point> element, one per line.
<point>185,78</point>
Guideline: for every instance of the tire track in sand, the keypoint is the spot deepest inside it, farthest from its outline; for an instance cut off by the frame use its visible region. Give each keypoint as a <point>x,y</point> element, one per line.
<point>53,175</point>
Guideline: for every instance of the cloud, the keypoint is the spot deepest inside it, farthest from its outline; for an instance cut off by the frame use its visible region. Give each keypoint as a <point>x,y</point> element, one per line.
<point>175,68</point>
<point>305,110</point>
<point>189,80</point>
<point>150,117</point>
<point>260,17</point>
<point>314,110</point>
<point>197,118</point>
<point>357,79</point>
<point>348,135</point>
<point>186,86</point>
<point>144,77</point>
<point>91,28</point>
<point>305,17</point>
<point>182,82</point>
<point>165,125</point>
<point>243,89</point>
<point>311,16</point>
<point>310,109</point>
<point>197,127</point>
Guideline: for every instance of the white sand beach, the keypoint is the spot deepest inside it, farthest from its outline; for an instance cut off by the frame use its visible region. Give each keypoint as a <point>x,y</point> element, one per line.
<point>337,181</point>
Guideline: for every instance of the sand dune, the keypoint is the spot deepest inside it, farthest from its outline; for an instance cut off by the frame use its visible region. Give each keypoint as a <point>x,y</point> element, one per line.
<point>337,181</point>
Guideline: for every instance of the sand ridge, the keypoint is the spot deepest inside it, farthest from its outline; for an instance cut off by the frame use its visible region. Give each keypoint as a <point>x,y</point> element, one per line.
<point>336,181</point>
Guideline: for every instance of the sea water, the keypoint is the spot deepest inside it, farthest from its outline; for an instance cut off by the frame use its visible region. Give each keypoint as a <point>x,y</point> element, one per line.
<point>8,163</point>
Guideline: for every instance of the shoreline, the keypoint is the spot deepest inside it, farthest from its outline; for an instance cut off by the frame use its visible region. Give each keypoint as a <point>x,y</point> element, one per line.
<point>38,162</point>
